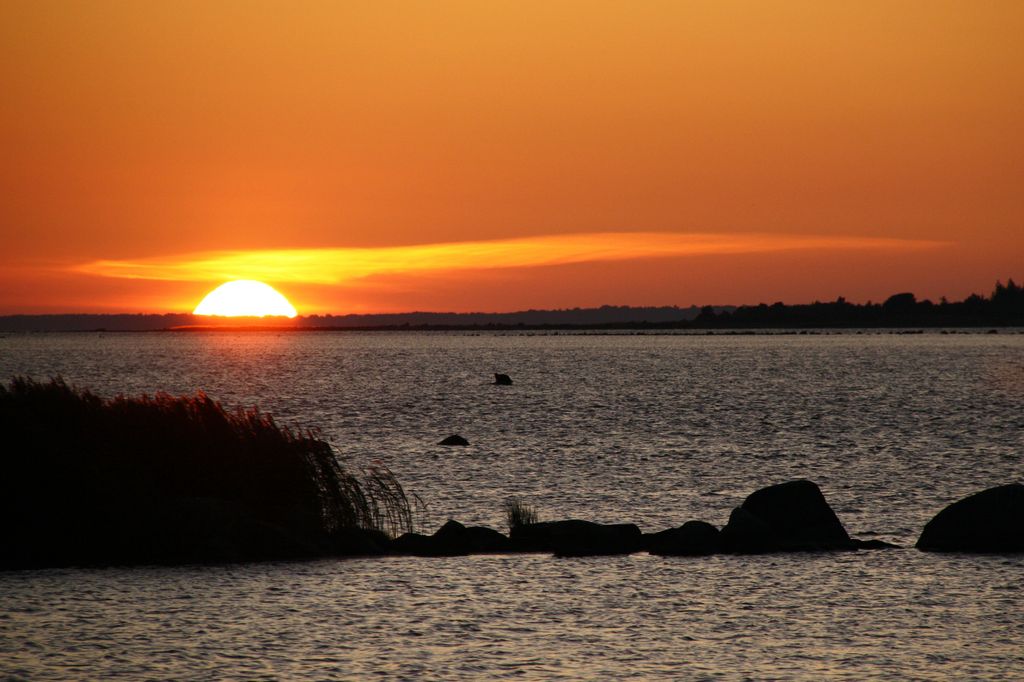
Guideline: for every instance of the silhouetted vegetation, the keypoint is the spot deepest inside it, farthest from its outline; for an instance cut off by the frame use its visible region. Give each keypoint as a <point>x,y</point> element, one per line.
<point>518,513</point>
<point>1005,307</point>
<point>604,315</point>
<point>166,478</point>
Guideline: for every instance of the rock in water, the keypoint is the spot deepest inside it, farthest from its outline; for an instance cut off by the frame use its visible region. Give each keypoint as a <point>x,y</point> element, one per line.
<point>452,539</point>
<point>788,517</point>
<point>414,544</point>
<point>577,538</point>
<point>502,379</point>
<point>989,521</point>
<point>454,439</point>
<point>455,538</point>
<point>693,538</point>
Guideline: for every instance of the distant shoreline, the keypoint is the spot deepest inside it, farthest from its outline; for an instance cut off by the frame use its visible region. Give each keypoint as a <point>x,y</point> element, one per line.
<point>557,330</point>
<point>1003,308</point>
<point>641,328</point>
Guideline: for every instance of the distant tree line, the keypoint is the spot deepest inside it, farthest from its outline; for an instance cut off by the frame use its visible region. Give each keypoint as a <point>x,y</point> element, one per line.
<point>606,315</point>
<point>603,315</point>
<point>1005,307</point>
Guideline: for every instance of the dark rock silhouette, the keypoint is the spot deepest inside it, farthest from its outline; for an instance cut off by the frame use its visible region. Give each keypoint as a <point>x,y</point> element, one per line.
<point>502,379</point>
<point>416,544</point>
<point>458,538</point>
<point>693,538</point>
<point>989,521</point>
<point>577,538</point>
<point>746,533</point>
<point>452,539</point>
<point>787,517</point>
<point>454,439</point>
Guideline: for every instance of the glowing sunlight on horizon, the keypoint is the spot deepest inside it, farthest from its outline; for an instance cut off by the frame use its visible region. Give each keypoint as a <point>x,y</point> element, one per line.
<point>245,298</point>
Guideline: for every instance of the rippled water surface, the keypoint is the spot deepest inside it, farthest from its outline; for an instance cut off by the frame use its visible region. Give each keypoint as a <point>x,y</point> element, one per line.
<point>654,430</point>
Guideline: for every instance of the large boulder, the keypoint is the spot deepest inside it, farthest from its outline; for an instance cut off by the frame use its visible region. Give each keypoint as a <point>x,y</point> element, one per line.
<point>577,538</point>
<point>693,538</point>
<point>788,517</point>
<point>989,521</point>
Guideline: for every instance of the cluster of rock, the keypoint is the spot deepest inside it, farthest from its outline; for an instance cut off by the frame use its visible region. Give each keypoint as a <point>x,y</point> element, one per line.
<point>789,517</point>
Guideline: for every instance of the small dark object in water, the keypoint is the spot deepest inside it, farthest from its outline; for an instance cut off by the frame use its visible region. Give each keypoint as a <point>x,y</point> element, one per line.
<point>502,379</point>
<point>454,439</point>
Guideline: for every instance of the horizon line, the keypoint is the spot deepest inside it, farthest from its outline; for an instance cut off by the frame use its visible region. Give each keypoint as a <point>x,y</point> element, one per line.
<point>517,311</point>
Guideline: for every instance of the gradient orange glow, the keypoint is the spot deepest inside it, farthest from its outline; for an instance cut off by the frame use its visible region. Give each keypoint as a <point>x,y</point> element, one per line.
<point>476,156</point>
<point>333,266</point>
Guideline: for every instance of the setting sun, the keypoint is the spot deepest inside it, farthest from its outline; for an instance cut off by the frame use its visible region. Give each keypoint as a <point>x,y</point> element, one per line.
<point>245,297</point>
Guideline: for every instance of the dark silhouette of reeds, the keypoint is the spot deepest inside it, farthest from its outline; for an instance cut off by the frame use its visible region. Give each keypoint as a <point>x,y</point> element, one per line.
<point>518,513</point>
<point>167,478</point>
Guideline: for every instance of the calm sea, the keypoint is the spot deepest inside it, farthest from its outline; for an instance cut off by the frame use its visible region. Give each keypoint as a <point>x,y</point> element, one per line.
<point>651,429</point>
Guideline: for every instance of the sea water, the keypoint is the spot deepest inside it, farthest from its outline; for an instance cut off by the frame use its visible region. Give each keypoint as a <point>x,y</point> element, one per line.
<point>650,429</point>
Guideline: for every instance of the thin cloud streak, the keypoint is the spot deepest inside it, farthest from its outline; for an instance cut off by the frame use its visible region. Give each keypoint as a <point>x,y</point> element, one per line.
<point>340,265</point>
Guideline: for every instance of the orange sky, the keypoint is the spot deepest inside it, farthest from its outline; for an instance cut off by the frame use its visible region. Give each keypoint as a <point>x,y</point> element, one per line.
<point>500,156</point>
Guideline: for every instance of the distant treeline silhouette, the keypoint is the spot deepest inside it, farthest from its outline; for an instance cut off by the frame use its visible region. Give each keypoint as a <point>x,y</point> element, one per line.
<point>170,479</point>
<point>573,317</point>
<point>1004,307</point>
<point>570,317</point>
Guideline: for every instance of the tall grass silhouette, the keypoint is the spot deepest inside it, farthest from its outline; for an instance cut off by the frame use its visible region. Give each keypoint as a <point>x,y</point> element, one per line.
<point>164,477</point>
<point>518,513</point>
